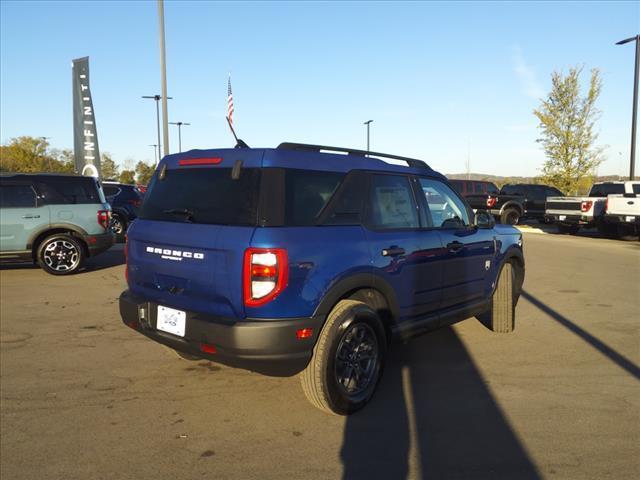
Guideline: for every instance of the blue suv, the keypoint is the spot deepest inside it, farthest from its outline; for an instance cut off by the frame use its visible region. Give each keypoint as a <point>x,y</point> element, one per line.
<point>311,259</point>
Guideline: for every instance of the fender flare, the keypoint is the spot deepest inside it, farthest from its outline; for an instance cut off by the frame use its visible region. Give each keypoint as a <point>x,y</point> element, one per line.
<point>355,282</point>
<point>56,226</point>
<point>513,204</point>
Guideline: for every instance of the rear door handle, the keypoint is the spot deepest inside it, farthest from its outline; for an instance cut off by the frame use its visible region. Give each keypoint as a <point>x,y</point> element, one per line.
<point>392,251</point>
<point>455,247</point>
<point>31,216</point>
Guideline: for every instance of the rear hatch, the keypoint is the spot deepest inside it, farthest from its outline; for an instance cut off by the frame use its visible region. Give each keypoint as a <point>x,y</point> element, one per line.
<point>186,249</point>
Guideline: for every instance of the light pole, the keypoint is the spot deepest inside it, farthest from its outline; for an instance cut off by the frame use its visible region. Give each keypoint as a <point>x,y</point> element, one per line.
<point>163,78</point>
<point>157,99</point>
<point>179,124</point>
<point>368,124</point>
<point>632,168</point>
<point>155,153</point>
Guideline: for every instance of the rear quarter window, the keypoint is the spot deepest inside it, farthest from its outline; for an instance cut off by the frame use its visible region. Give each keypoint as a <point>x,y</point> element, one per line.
<point>307,193</point>
<point>68,190</point>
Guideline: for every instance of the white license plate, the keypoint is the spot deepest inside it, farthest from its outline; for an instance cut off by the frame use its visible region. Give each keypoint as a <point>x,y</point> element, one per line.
<point>562,217</point>
<point>171,320</point>
<point>630,219</point>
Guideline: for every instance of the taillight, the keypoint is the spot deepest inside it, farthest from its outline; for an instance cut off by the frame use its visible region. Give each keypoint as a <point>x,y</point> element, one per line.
<point>491,201</point>
<point>265,275</point>
<point>586,205</point>
<point>606,205</point>
<point>103,218</point>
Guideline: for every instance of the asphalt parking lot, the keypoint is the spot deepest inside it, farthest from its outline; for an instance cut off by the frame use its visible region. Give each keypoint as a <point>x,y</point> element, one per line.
<point>84,397</point>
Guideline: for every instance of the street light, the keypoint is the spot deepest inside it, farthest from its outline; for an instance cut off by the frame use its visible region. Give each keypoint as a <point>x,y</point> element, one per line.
<point>179,124</point>
<point>155,152</point>
<point>368,123</point>
<point>635,103</point>
<point>157,99</point>
<point>44,141</point>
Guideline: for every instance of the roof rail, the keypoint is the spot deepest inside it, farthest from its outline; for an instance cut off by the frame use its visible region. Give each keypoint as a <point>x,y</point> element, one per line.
<point>412,162</point>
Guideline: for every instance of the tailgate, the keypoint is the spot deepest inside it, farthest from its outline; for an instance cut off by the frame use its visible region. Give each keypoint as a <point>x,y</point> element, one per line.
<point>189,266</point>
<point>619,205</point>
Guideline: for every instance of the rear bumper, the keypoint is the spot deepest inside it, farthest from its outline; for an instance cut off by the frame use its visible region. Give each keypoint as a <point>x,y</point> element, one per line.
<point>265,346</point>
<point>631,220</point>
<point>99,243</point>
<point>569,219</point>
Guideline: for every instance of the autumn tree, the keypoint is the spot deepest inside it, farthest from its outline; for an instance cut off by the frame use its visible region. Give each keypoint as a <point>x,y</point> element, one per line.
<point>144,172</point>
<point>567,130</point>
<point>109,168</point>
<point>32,154</point>
<point>127,176</point>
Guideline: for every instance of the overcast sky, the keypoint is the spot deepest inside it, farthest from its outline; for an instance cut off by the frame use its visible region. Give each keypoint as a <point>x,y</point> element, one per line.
<point>440,80</point>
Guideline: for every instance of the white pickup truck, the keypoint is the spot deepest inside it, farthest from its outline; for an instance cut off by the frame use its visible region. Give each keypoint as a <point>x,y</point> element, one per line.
<point>571,213</point>
<point>622,212</point>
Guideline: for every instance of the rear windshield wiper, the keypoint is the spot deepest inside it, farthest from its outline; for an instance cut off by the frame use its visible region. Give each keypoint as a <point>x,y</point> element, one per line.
<point>188,214</point>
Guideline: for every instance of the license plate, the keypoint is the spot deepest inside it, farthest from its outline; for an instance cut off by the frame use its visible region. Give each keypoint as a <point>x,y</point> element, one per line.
<point>630,219</point>
<point>171,320</point>
<point>562,217</point>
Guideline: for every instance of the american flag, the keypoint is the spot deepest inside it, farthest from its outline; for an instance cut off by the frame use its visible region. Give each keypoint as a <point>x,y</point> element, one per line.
<point>229,102</point>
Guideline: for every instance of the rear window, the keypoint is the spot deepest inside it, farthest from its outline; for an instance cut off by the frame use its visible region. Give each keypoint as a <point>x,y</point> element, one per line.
<point>604,189</point>
<point>636,188</point>
<point>68,190</point>
<point>203,195</point>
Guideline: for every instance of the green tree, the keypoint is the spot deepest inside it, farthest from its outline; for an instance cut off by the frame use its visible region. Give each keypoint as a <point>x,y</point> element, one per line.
<point>144,172</point>
<point>567,121</point>
<point>31,154</point>
<point>127,176</point>
<point>109,168</point>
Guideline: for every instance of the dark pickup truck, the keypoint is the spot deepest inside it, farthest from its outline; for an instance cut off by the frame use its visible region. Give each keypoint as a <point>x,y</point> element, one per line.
<point>514,202</point>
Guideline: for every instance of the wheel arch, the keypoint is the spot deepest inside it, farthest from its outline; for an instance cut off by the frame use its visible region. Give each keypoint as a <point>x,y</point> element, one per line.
<point>512,204</point>
<point>77,232</point>
<point>367,288</point>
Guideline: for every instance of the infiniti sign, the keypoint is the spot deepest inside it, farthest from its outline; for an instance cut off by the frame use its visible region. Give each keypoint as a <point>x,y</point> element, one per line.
<point>169,254</point>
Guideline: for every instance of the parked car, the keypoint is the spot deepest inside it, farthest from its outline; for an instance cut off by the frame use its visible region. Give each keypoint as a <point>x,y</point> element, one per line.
<point>622,212</point>
<point>292,260</point>
<point>55,220</point>
<point>125,201</point>
<point>572,213</point>
<point>515,202</point>
<point>474,187</point>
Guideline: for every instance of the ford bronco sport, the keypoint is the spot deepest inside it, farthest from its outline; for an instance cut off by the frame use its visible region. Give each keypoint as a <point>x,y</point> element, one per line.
<point>55,220</point>
<point>311,259</point>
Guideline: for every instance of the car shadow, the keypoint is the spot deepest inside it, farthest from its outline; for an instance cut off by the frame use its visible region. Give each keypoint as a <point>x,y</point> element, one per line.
<point>617,358</point>
<point>433,417</point>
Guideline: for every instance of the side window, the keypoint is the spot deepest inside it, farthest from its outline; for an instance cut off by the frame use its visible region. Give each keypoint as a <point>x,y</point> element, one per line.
<point>392,203</point>
<point>307,192</point>
<point>458,186</point>
<point>445,207</point>
<point>110,190</point>
<point>477,187</point>
<point>636,188</point>
<point>15,196</point>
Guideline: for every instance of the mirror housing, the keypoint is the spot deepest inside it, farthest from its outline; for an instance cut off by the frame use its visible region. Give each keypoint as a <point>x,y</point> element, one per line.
<point>484,219</point>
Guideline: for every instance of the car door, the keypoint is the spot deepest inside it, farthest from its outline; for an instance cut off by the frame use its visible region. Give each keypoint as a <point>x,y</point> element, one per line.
<point>404,253</point>
<point>21,216</point>
<point>468,251</point>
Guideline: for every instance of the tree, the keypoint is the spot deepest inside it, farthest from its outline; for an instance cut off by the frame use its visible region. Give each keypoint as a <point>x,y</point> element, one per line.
<point>144,172</point>
<point>31,154</point>
<point>109,168</point>
<point>127,176</point>
<point>567,135</point>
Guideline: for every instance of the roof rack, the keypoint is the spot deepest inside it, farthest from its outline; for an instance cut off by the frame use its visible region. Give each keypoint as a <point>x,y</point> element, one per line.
<point>412,162</point>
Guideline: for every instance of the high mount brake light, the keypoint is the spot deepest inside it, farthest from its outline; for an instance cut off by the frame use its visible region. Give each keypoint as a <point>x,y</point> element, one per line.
<point>265,275</point>
<point>199,161</point>
<point>103,218</point>
<point>586,206</point>
<point>491,201</point>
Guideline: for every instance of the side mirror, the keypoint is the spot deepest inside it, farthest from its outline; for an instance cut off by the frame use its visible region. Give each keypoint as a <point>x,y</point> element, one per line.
<point>484,219</point>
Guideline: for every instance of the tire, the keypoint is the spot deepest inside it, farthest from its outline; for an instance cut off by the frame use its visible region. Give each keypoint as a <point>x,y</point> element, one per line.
<point>118,224</point>
<point>570,229</point>
<point>328,379</point>
<point>500,317</point>
<point>510,216</point>
<point>607,230</point>
<point>61,254</point>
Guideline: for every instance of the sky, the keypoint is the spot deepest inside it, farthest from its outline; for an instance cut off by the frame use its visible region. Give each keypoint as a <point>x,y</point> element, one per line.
<point>442,82</point>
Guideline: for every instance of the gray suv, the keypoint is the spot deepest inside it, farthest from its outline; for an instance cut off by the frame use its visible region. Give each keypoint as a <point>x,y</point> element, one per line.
<point>55,220</point>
